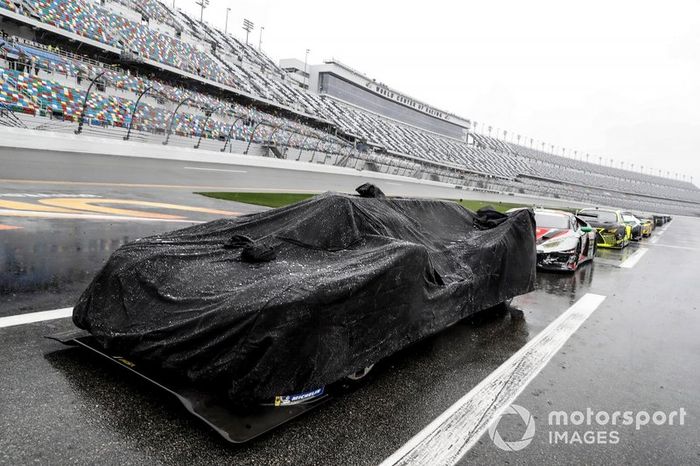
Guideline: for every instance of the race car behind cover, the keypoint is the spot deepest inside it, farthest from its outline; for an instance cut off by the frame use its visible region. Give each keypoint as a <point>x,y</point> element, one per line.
<point>564,241</point>
<point>613,232</point>
<point>274,306</point>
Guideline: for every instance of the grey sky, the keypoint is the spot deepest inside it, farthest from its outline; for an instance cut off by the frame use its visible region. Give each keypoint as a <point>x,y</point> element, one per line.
<point>616,79</point>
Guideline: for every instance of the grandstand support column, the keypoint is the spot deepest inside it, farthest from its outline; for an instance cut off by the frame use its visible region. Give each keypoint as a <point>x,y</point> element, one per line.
<point>87,95</point>
<point>208,112</point>
<point>133,112</point>
<point>172,119</point>
<point>252,135</point>
<point>230,132</point>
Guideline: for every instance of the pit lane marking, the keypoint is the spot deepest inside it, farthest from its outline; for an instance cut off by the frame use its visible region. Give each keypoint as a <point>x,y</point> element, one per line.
<point>43,195</point>
<point>26,206</point>
<point>87,216</point>
<point>632,260</point>
<point>33,317</point>
<point>450,436</point>
<point>94,208</point>
<point>673,246</point>
<point>89,205</point>
<point>8,227</point>
<point>215,169</point>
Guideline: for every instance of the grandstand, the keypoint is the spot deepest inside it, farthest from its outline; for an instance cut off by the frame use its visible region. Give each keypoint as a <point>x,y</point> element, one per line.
<point>142,70</point>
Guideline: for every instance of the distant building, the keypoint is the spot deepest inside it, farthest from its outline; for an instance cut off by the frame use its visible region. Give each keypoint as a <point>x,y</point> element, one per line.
<point>295,71</point>
<point>338,80</point>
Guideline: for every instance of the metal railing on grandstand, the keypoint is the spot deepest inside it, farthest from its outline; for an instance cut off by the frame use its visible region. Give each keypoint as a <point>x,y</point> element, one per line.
<point>8,117</point>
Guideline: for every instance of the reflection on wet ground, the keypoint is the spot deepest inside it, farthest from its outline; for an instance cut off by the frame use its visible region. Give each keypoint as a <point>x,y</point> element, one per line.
<point>47,266</point>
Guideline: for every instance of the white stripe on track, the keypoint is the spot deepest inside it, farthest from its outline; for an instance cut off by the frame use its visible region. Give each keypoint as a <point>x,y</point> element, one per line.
<point>632,260</point>
<point>32,317</point>
<point>450,436</point>
<point>78,216</point>
<point>215,169</point>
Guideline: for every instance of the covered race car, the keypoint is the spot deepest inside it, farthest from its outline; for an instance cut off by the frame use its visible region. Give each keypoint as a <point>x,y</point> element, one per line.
<point>289,300</point>
<point>635,224</point>
<point>613,232</point>
<point>564,241</point>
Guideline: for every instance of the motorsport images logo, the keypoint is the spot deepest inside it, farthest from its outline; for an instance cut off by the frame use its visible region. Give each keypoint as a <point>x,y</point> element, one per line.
<point>527,437</point>
<point>587,427</point>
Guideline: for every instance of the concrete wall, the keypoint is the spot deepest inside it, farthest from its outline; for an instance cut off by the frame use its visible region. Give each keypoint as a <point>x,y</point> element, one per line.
<point>52,142</point>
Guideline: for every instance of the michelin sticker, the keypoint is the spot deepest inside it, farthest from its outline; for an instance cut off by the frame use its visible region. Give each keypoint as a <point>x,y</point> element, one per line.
<point>297,398</point>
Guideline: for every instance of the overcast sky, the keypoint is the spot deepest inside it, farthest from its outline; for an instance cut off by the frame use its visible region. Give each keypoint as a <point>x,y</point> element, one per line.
<point>617,79</point>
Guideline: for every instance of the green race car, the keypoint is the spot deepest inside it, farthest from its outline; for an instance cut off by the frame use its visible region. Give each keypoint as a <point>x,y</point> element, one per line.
<point>612,230</point>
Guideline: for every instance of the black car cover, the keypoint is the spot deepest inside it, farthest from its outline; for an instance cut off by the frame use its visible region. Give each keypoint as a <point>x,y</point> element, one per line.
<point>295,298</point>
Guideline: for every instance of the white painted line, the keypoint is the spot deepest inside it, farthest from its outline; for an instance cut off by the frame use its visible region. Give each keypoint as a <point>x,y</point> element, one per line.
<point>77,216</point>
<point>673,246</point>
<point>660,233</point>
<point>32,317</point>
<point>215,170</point>
<point>653,240</point>
<point>632,260</point>
<point>449,437</point>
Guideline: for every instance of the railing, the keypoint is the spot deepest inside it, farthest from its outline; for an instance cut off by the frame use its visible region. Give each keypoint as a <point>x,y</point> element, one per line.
<point>8,117</point>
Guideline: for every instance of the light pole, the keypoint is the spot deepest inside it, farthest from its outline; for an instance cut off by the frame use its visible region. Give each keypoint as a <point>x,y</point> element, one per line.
<point>208,112</point>
<point>306,73</point>
<point>172,119</point>
<point>262,28</point>
<point>84,107</point>
<point>247,27</point>
<point>203,4</point>
<point>133,112</point>
<point>228,10</point>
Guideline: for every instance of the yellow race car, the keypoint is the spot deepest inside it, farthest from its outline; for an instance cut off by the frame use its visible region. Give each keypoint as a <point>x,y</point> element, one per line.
<point>647,224</point>
<point>612,230</point>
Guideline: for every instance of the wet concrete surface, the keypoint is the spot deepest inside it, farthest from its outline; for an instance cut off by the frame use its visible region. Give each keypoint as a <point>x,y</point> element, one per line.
<point>62,405</point>
<point>638,351</point>
<point>46,263</point>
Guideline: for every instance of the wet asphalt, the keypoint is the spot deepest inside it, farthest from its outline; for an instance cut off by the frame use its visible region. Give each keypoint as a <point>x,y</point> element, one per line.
<point>638,351</point>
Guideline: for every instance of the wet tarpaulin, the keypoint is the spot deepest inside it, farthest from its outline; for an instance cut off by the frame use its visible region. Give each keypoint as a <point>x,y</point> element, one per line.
<point>299,297</point>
